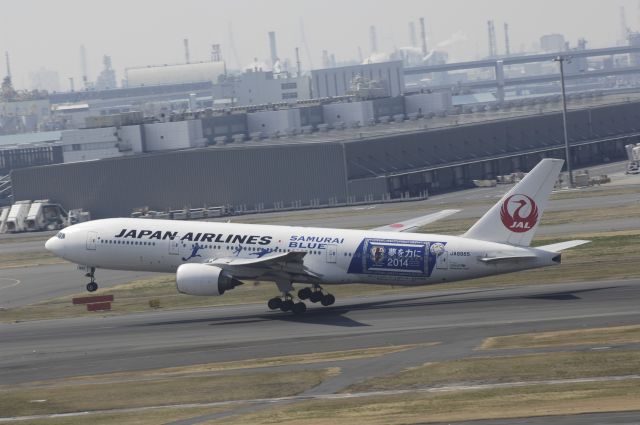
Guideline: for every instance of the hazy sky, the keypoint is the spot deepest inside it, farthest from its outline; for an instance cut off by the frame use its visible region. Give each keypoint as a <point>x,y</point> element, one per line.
<point>45,33</point>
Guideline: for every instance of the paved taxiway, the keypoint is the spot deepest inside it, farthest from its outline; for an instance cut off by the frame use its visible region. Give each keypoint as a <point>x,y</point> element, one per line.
<point>459,320</point>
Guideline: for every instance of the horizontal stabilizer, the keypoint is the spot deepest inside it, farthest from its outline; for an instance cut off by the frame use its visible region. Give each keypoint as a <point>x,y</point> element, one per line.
<point>557,247</point>
<point>414,223</point>
<point>507,258</point>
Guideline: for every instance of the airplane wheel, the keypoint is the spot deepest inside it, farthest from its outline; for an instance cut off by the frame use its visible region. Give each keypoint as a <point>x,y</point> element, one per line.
<point>92,286</point>
<point>328,300</point>
<point>287,305</point>
<point>299,308</point>
<point>274,303</point>
<point>304,293</point>
<point>315,297</point>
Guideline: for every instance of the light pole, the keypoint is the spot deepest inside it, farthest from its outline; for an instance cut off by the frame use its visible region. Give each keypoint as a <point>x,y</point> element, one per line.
<point>561,60</point>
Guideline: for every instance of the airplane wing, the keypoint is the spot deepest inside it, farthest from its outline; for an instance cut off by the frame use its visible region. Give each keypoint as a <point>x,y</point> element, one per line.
<point>283,262</point>
<point>557,247</point>
<point>414,223</point>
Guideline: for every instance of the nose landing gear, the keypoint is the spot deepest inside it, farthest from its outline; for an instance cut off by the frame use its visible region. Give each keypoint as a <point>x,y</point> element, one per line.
<point>92,286</point>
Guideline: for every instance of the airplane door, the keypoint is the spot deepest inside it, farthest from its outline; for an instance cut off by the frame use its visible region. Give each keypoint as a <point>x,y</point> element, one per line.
<point>92,240</point>
<point>332,253</point>
<point>174,247</point>
<point>442,260</point>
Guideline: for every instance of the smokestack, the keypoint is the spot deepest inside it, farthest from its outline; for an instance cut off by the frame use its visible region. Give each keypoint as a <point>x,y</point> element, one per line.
<point>373,39</point>
<point>507,45</point>
<point>413,39</point>
<point>493,51</point>
<point>71,85</point>
<point>8,63</point>
<point>272,46</point>
<point>298,63</point>
<point>186,50</point>
<point>83,64</point>
<point>423,37</point>
<point>624,29</point>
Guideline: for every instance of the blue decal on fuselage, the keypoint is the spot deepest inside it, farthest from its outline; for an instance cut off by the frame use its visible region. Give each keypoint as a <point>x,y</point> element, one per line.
<point>395,257</point>
<point>194,252</point>
<point>262,252</point>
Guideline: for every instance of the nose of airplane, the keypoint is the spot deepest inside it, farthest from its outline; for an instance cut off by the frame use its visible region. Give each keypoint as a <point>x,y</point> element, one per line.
<point>54,245</point>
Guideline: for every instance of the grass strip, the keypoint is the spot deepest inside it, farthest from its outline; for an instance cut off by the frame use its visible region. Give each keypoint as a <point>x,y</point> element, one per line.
<point>77,397</point>
<point>419,407</point>
<point>592,336</point>
<point>38,257</point>
<point>148,417</point>
<point>530,367</point>
<point>457,226</point>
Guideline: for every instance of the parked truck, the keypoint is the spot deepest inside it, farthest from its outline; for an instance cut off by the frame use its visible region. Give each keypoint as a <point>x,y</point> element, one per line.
<point>633,154</point>
<point>35,216</point>
<point>17,216</point>
<point>44,215</point>
<point>4,213</point>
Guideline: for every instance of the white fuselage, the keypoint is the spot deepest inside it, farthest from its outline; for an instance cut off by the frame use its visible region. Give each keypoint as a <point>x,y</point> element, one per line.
<point>332,256</point>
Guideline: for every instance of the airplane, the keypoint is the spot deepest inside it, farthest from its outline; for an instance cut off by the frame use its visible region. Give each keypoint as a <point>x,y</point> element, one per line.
<point>211,258</point>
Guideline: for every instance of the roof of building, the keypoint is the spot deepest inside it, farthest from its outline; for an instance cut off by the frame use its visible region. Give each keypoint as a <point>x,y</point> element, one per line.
<point>30,138</point>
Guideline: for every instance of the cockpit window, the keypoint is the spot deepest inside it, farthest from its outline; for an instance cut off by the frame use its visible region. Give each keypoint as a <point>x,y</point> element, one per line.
<point>60,235</point>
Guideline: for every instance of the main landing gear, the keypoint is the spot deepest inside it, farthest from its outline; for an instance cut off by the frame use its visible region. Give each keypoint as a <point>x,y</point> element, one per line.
<point>92,286</point>
<point>286,302</point>
<point>315,295</point>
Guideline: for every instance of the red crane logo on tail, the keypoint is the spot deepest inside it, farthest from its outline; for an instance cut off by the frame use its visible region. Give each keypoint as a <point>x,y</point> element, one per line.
<point>519,213</point>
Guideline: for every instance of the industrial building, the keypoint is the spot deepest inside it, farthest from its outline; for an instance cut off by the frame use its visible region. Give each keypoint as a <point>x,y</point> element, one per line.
<point>338,81</point>
<point>314,170</point>
<point>183,73</point>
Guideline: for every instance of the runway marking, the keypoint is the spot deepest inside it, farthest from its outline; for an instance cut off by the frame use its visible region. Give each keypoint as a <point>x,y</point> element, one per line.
<point>450,388</point>
<point>16,282</point>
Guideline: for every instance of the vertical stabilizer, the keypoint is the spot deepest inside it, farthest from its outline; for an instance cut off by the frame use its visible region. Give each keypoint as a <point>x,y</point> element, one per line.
<point>514,219</point>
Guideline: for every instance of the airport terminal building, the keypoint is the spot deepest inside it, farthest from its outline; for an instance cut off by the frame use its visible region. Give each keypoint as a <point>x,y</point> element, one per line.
<point>338,167</point>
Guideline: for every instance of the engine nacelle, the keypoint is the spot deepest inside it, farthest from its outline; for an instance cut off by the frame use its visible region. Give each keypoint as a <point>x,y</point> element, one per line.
<point>201,279</point>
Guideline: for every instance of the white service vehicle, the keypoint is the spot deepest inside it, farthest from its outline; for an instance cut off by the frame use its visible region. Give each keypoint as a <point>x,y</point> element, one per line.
<point>633,154</point>
<point>35,217</point>
<point>17,217</point>
<point>212,258</point>
<point>4,213</point>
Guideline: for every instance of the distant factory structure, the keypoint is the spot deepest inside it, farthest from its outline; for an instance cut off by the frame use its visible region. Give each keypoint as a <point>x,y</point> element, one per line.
<point>174,74</point>
<point>339,81</point>
<point>393,125</point>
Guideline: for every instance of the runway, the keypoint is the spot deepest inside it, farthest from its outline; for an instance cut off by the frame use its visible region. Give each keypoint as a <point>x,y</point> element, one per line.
<point>458,320</point>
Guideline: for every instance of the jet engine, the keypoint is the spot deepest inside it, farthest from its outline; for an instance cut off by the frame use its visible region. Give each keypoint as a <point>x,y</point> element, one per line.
<point>201,279</point>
